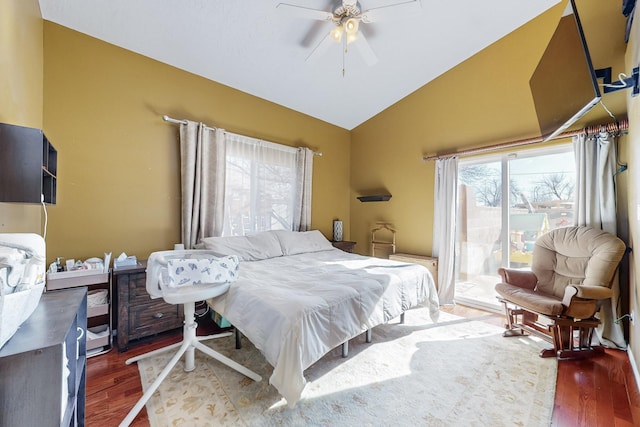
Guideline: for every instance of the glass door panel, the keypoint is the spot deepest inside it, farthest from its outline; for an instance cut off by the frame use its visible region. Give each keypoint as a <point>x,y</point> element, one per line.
<point>526,194</point>
<point>479,231</point>
<point>542,196</point>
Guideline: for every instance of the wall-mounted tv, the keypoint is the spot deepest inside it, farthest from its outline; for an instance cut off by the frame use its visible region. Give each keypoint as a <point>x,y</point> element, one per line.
<point>564,85</point>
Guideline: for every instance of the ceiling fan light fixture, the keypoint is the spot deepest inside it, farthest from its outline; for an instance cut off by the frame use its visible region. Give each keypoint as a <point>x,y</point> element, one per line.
<point>351,26</point>
<point>336,33</point>
<point>352,37</point>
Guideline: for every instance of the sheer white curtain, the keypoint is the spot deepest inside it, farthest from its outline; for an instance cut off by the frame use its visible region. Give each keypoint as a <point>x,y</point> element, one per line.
<point>444,226</point>
<point>268,186</point>
<point>596,207</point>
<point>202,170</point>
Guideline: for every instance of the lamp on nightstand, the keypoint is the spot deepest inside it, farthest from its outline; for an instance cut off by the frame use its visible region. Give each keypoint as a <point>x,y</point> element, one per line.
<point>337,230</point>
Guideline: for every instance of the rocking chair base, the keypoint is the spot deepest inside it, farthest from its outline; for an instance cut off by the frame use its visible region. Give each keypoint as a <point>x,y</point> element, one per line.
<point>513,332</point>
<point>573,354</point>
<point>571,338</point>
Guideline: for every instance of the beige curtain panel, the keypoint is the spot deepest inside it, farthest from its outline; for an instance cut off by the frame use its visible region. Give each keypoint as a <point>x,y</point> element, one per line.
<point>596,160</point>
<point>202,172</point>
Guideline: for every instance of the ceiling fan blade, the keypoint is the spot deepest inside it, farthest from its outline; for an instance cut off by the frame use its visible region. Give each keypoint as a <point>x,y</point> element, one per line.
<point>321,48</point>
<point>304,12</point>
<point>392,11</point>
<point>365,50</point>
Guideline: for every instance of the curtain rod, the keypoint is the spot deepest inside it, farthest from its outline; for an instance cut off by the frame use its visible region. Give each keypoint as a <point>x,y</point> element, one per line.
<point>184,122</point>
<point>621,126</point>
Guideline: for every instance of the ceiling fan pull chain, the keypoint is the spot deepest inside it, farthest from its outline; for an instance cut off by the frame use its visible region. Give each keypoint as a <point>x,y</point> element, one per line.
<point>344,51</point>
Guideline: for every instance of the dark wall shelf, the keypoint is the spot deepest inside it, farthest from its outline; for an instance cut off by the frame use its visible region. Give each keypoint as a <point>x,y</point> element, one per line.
<point>375,198</point>
<point>28,165</point>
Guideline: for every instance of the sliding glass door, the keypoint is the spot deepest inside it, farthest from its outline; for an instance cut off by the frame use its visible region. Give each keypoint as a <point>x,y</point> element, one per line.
<point>506,202</point>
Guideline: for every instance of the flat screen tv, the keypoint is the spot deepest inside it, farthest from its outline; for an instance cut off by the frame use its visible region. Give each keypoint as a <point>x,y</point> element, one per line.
<point>564,85</point>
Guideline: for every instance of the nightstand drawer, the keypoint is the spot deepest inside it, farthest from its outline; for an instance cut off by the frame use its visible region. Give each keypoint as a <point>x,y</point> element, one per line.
<point>138,294</point>
<point>153,317</point>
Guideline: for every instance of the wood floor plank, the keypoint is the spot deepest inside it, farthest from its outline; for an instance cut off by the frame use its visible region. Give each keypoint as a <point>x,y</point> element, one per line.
<point>566,402</point>
<point>586,389</point>
<point>605,389</point>
<point>633,392</point>
<point>621,410</point>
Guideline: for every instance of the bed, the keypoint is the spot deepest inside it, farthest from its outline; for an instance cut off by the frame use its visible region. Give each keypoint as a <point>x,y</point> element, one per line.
<point>298,297</point>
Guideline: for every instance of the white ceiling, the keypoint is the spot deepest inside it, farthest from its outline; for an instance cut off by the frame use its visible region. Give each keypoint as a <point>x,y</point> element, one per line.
<point>253,47</point>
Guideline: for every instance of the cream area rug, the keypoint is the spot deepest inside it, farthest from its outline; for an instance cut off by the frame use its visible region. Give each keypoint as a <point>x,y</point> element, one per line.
<point>457,372</point>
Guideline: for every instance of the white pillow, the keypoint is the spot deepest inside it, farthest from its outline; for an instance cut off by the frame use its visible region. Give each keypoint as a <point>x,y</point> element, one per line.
<point>194,271</point>
<point>248,248</point>
<point>299,242</point>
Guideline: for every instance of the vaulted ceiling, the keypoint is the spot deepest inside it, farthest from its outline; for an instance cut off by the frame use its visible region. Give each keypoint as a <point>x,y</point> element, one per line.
<point>255,47</point>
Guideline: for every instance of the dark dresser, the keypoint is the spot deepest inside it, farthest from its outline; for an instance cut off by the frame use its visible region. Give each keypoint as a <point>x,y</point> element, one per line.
<point>43,366</point>
<point>138,315</point>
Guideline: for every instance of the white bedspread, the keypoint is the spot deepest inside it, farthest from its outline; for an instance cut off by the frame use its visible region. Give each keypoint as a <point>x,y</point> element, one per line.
<point>296,308</point>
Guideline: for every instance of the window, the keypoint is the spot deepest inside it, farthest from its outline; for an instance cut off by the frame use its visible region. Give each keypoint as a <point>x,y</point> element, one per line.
<point>260,186</point>
<point>506,202</point>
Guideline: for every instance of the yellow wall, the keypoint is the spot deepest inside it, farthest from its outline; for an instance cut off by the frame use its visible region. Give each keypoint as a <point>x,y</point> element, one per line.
<point>485,100</point>
<point>633,194</point>
<point>118,161</point>
<point>20,91</point>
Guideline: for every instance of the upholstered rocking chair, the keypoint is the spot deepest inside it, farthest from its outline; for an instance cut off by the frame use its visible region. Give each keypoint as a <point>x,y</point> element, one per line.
<point>572,270</point>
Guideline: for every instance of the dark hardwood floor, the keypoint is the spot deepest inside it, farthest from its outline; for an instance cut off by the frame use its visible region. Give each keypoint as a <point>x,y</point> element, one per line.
<point>598,392</point>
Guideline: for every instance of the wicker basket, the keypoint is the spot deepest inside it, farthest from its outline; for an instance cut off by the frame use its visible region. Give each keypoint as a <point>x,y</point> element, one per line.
<point>97,297</point>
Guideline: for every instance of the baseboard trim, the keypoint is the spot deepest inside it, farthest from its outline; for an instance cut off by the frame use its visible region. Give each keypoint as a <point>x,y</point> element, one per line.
<point>473,303</point>
<point>634,367</point>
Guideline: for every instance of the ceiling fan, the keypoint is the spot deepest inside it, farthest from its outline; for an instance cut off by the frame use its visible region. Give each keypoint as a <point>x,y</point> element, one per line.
<point>347,18</point>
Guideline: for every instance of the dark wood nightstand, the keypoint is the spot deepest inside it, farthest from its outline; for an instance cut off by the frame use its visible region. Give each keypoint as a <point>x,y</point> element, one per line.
<point>139,315</point>
<point>344,245</point>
